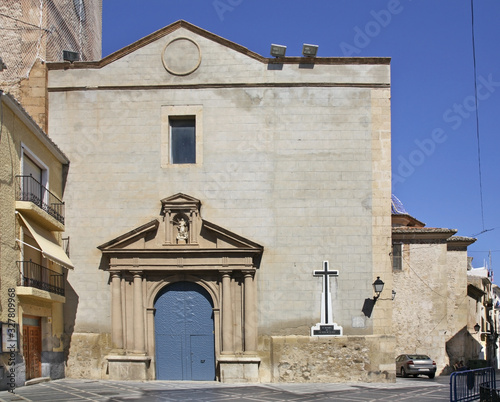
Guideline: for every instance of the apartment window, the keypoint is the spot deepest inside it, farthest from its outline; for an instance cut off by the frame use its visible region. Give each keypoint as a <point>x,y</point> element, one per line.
<point>34,178</point>
<point>182,139</point>
<point>397,257</point>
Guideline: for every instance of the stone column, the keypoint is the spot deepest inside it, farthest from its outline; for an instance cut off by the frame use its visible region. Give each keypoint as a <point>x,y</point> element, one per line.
<point>250,314</point>
<point>139,345</point>
<point>116,311</point>
<point>193,230</point>
<point>168,227</point>
<point>227,314</point>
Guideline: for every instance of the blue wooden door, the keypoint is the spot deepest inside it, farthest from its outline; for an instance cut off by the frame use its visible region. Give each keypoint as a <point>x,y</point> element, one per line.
<point>184,333</point>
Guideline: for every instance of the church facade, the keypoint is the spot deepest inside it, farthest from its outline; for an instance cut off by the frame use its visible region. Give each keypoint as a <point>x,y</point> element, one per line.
<point>206,185</point>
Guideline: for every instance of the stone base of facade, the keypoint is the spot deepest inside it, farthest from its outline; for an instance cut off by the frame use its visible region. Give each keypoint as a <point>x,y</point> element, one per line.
<point>86,357</point>
<point>128,367</point>
<point>239,369</point>
<point>303,359</point>
<point>53,365</point>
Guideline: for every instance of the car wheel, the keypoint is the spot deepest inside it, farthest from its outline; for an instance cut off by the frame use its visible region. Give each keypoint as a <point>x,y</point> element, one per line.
<point>403,372</point>
<point>431,376</point>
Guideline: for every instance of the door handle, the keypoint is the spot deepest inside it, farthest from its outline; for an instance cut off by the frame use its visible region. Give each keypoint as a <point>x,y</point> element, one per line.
<point>202,361</point>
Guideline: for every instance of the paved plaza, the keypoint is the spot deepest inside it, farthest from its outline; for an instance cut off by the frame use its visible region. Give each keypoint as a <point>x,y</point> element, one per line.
<point>405,389</point>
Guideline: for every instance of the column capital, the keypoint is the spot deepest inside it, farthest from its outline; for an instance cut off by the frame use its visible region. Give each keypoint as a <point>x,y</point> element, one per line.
<point>136,273</point>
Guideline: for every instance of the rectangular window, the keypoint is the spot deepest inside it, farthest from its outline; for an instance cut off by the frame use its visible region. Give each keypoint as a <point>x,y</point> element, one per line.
<point>397,257</point>
<point>182,139</point>
<point>32,182</point>
<point>181,136</point>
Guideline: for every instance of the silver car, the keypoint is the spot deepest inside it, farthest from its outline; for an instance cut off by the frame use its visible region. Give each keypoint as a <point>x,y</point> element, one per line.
<point>414,365</point>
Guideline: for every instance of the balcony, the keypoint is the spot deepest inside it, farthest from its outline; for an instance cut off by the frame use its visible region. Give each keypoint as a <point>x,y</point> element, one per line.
<point>32,275</point>
<point>39,203</point>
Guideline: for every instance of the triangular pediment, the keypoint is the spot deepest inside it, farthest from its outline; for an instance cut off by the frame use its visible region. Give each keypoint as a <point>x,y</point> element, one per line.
<point>158,35</point>
<point>225,239</point>
<point>163,234</point>
<point>180,201</point>
<point>149,237</point>
<point>181,241</point>
<point>169,29</point>
<point>134,239</point>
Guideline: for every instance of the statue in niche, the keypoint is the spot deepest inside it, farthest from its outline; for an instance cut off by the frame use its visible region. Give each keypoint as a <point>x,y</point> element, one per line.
<point>182,231</point>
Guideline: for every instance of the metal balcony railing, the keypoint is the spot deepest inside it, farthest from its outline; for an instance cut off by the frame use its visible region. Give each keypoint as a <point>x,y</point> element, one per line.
<point>36,276</point>
<point>29,189</point>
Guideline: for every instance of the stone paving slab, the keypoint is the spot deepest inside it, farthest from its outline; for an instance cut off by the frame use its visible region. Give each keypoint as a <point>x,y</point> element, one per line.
<point>115,391</point>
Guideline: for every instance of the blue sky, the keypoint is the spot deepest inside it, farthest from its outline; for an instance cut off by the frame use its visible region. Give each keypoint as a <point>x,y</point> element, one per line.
<point>434,138</point>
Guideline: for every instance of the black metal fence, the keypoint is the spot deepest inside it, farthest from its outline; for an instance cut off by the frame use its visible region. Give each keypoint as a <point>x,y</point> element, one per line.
<point>37,276</point>
<point>467,385</point>
<point>29,189</point>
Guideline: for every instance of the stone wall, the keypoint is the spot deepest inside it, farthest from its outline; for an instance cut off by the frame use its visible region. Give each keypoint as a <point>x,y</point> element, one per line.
<point>332,359</point>
<point>422,286</point>
<point>86,355</point>
<point>433,280</point>
<point>33,94</point>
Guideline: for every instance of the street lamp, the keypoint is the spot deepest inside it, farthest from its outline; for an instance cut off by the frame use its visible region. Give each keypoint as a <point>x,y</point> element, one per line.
<point>378,286</point>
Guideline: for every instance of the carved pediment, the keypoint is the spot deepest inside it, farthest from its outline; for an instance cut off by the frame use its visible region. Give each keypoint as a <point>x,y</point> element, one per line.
<point>180,231</point>
<point>134,239</point>
<point>180,201</point>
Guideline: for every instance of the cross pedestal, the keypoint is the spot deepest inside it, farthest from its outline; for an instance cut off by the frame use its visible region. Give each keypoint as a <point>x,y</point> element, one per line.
<point>326,327</point>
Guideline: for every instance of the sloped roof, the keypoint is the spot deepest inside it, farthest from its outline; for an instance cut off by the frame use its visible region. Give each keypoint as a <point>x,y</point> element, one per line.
<point>406,233</point>
<point>24,116</point>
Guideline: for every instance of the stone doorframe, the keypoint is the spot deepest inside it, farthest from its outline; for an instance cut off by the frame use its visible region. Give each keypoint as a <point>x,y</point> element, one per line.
<point>210,286</point>
<point>145,260</point>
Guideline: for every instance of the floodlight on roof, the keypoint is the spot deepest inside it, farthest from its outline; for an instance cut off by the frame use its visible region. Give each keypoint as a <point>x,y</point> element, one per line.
<point>70,56</point>
<point>309,50</point>
<point>278,50</point>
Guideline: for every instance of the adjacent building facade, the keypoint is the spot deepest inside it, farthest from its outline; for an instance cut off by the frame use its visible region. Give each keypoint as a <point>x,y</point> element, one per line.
<point>482,314</point>
<point>430,271</point>
<point>35,32</point>
<point>33,263</point>
<point>207,183</point>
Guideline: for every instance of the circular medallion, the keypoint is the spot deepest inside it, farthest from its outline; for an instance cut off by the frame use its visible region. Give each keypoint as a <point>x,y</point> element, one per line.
<point>181,56</point>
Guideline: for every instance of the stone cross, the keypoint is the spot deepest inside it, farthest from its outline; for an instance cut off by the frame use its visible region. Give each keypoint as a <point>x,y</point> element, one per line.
<point>326,296</point>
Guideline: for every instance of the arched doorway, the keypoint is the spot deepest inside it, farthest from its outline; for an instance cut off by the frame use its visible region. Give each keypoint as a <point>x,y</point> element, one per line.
<point>184,333</point>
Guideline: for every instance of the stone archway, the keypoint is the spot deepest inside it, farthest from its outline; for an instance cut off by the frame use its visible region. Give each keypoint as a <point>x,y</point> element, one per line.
<point>221,263</point>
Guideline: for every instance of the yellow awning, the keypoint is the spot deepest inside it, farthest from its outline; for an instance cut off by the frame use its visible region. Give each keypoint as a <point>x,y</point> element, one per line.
<point>48,244</point>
